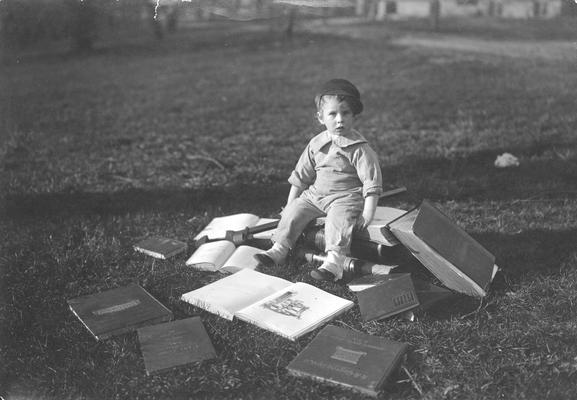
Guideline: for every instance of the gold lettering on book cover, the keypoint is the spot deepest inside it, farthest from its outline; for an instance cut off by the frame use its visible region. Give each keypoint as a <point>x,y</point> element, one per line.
<point>285,304</point>
<point>116,308</point>
<point>403,298</point>
<point>348,355</point>
<point>343,369</point>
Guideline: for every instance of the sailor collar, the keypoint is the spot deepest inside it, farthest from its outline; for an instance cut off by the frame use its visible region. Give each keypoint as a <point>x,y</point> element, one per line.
<point>323,138</point>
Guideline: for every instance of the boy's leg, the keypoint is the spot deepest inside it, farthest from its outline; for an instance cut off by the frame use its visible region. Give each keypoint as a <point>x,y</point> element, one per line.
<point>295,217</point>
<point>341,219</point>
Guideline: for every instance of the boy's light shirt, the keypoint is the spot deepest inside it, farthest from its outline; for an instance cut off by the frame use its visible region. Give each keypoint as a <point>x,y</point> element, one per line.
<point>333,164</point>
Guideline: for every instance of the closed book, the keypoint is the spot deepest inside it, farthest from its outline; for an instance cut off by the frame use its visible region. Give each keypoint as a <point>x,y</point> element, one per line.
<point>350,359</point>
<point>116,311</point>
<point>159,247</point>
<point>389,297</point>
<point>174,343</point>
<point>445,249</point>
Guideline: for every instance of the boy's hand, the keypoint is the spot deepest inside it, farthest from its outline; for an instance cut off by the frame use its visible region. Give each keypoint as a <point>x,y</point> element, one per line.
<point>361,223</point>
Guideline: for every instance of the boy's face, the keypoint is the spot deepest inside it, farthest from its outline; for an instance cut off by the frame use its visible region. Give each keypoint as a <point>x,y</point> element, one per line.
<point>336,116</point>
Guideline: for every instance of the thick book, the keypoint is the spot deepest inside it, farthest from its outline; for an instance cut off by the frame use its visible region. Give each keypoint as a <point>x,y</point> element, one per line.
<point>275,304</point>
<point>116,311</point>
<point>219,226</point>
<point>377,231</point>
<point>391,296</point>
<point>454,257</point>
<point>159,247</point>
<point>350,359</point>
<point>173,344</point>
<point>223,256</point>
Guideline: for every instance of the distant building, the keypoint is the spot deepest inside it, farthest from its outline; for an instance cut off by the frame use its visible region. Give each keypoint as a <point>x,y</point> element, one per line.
<point>381,9</point>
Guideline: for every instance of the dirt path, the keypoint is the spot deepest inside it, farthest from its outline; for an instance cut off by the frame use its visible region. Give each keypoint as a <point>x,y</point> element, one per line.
<point>554,50</point>
<point>545,50</point>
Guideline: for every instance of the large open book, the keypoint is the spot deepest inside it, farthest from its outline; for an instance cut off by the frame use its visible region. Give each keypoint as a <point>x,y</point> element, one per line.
<point>350,359</point>
<point>275,304</point>
<point>219,226</point>
<point>223,256</point>
<point>445,249</point>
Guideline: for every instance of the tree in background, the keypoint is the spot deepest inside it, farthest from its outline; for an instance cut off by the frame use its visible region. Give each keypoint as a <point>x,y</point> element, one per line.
<point>84,22</point>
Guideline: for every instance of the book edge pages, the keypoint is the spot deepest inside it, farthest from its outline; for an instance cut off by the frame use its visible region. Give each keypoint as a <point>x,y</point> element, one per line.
<point>359,389</point>
<point>203,232</point>
<point>97,337</point>
<point>228,249</point>
<point>475,289</point>
<point>206,306</point>
<point>150,253</point>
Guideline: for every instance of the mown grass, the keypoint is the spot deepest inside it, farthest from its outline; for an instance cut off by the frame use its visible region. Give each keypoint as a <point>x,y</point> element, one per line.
<point>158,138</point>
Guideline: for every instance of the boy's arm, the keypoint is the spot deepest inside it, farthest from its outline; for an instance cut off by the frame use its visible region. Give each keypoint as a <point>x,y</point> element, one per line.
<point>368,211</point>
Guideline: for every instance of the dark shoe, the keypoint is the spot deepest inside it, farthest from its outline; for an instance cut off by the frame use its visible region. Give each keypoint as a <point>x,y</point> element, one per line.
<point>264,260</point>
<point>321,274</point>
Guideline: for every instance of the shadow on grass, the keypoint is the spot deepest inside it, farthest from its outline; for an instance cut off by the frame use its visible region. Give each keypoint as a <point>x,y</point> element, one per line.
<point>260,199</point>
<point>545,170</point>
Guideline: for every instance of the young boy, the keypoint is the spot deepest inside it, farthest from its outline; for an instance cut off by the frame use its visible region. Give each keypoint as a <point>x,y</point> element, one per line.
<point>337,176</point>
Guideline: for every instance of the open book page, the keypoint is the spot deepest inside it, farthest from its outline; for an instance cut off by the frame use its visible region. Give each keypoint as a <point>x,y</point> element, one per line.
<point>216,229</point>
<point>234,292</point>
<point>211,256</point>
<point>243,257</point>
<point>295,310</point>
<point>266,234</point>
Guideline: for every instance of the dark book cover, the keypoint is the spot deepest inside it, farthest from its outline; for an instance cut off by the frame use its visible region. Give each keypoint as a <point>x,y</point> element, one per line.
<point>350,359</point>
<point>389,297</point>
<point>454,244</point>
<point>175,343</point>
<point>159,247</point>
<point>119,310</point>
<point>446,250</point>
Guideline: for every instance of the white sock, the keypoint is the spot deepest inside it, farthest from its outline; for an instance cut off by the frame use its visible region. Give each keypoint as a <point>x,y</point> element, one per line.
<point>277,253</point>
<point>334,263</point>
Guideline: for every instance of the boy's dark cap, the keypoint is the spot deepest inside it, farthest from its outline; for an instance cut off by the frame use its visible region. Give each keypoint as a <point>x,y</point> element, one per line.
<point>342,87</point>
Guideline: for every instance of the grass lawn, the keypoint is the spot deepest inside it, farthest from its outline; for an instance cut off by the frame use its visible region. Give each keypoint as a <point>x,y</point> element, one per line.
<point>102,150</point>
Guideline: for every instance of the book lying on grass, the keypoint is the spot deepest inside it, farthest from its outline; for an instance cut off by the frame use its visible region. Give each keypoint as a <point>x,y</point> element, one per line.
<point>119,310</point>
<point>219,226</point>
<point>223,256</point>
<point>175,343</point>
<point>349,359</point>
<point>445,249</point>
<point>159,247</point>
<point>275,304</point>
<point>391,296</point>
